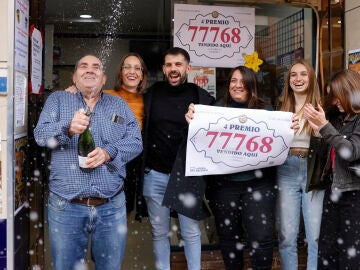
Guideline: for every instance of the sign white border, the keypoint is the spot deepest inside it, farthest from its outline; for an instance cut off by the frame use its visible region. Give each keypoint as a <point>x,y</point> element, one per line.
<point>214,36</point>
<point>223,140</point>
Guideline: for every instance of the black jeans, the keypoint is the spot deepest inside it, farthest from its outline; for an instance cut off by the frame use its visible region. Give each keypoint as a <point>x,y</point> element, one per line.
<point>339,241</point>
<point>244,211</point>
<point>131,182</point>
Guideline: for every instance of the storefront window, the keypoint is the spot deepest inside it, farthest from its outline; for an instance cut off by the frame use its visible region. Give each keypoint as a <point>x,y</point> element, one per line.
<point>113,28</point>
<point>331,37</point>
<point>282,33</point>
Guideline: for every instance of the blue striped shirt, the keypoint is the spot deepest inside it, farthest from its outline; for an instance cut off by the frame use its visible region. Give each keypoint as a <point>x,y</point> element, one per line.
<point>121,139</point>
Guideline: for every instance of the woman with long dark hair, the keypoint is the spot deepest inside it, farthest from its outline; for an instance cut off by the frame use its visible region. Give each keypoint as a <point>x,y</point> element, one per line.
<point>240,216</point>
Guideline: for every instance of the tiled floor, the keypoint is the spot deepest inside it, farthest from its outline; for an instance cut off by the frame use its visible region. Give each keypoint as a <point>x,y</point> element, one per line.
<point>212,260</point>
<point>139,254</point>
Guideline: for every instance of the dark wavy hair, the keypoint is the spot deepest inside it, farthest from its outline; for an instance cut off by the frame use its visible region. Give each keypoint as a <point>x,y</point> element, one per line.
<point>118,78</point>
<point>250,84</point>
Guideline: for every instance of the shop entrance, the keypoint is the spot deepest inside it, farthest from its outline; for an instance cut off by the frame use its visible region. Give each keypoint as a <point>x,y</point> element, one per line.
<point>283,32</point>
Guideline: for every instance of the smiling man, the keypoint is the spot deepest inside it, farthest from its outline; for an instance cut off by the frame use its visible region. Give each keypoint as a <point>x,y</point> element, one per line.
<point>89,78</point>
<point>176,68</point>
<point>165,129</point>
<point>88,204</point>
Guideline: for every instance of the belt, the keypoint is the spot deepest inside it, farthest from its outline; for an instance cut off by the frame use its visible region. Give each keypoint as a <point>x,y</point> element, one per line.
<point>299,152</point>
<point>93,201</point>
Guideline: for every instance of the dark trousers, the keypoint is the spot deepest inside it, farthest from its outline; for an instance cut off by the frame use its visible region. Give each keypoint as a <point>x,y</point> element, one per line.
<point>131,182</point>
<point>244,211</point>
<point>339,242</point>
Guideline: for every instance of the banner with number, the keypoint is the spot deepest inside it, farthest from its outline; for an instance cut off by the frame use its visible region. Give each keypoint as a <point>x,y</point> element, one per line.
<point>214,36</point>
<point>228,140</point>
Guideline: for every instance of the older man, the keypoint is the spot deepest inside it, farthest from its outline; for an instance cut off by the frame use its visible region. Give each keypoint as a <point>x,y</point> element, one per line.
<point>84,204</point>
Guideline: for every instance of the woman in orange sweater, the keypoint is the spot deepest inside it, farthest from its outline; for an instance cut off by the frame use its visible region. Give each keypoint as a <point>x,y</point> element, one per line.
<point>130,83</point>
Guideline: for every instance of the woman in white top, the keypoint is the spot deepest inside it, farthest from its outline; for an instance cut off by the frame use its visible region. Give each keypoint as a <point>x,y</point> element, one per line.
<point>293,177</point>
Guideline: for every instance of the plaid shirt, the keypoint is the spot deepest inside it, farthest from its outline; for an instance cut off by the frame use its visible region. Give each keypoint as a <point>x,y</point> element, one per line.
<point>120,138</point>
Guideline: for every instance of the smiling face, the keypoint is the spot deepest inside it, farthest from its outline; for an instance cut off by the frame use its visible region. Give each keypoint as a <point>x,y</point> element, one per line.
<point>299,79</point>
<point>236,88</point>
<point>132,73</point>
<point>89,76</point>
<point>337,103</point>
<point>176,69</point>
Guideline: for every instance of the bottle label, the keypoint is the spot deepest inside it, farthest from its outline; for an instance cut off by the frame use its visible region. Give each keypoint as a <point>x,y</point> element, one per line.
<point>82,162</point>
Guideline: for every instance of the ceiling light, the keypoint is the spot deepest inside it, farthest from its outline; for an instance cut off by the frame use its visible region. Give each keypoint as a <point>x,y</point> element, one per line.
<point>85,16</point>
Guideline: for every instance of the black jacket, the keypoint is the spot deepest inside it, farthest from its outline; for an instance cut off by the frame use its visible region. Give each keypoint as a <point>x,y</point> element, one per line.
<point>315,164</point>
<point>344,136</point>
<point>178,183</point>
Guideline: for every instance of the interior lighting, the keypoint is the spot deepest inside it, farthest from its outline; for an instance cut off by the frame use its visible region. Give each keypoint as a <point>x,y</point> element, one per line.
<point>85,16</point>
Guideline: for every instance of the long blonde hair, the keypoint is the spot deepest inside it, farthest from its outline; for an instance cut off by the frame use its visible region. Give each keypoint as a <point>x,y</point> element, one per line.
<point>313,96</point>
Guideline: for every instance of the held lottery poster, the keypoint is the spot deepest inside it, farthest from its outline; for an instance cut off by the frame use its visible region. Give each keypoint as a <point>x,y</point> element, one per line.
<point>228,140</point>
<point>214,36</point>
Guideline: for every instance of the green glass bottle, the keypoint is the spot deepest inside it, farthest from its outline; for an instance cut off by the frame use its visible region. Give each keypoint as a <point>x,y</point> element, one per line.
<point>85,146</point>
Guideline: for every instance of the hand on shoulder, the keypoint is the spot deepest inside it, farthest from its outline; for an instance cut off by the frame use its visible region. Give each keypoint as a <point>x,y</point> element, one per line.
<point>71,89</point>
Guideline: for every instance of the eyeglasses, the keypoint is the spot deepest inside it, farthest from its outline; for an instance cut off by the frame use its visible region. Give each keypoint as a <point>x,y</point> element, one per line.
<point>128,68</point>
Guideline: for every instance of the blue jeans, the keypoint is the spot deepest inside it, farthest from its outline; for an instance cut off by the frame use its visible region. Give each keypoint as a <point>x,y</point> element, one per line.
<point>71,225</point>
<point>292,176</point>
<point>154,189</point>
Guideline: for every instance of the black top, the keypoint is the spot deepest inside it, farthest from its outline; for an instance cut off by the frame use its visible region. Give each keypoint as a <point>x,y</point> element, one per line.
<point>167,124</point>
<point>178,182</point>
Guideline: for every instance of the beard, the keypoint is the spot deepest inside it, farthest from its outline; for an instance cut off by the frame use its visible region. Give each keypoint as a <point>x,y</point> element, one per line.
<point>175,78</point>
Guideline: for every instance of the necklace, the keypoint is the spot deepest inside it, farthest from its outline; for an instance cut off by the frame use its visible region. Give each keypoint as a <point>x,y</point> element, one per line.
<point>298,111</point>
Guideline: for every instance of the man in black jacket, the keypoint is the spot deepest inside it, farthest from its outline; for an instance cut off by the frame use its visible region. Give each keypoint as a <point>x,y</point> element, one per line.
<point>165,129</point>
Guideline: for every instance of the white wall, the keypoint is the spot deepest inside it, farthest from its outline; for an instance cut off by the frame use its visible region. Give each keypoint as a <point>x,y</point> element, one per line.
<point>352,25</point>
<point>3,30</point>
<point>4,57</point>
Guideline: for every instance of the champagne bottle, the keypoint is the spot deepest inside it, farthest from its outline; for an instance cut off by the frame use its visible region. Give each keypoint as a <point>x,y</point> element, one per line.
<point>85,146</point>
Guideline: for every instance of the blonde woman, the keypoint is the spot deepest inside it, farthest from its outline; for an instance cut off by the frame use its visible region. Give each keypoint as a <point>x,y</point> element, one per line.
<point>294,176</point>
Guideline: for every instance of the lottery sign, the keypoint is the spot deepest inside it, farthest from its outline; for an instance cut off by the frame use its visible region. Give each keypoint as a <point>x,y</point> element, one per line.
<point>214,34</point>
<point>228,140</point>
